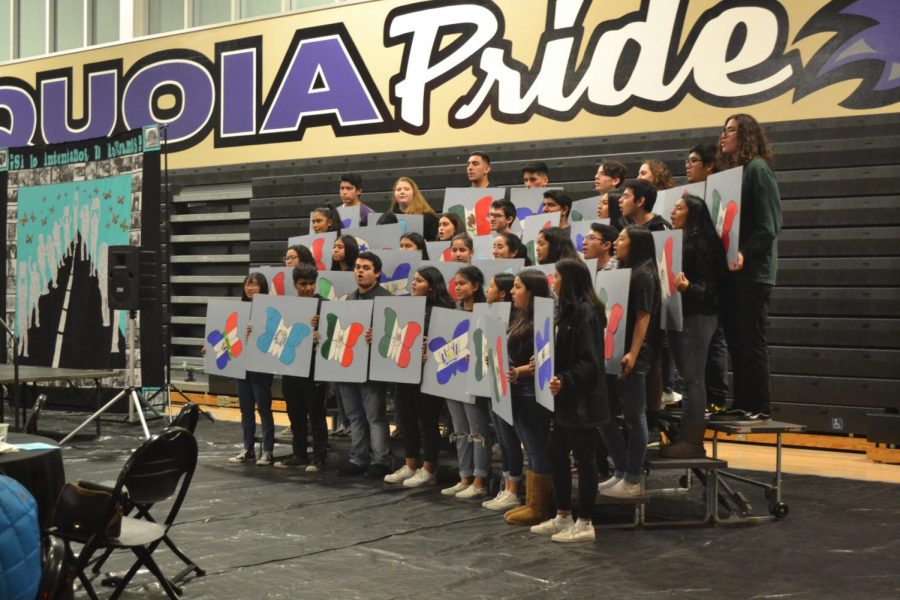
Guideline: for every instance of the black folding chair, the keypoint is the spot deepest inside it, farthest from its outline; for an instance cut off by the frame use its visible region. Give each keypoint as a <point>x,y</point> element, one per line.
<point>32,423</point>
<point>187,417</point>
<point>160,469</point>
<point>53,584</point>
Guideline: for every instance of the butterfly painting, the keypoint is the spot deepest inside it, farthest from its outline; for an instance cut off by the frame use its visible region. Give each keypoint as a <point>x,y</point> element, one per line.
<point>226,344</point>
<point>500,383</point>
<point>452,356</point>
<point>340,341</point>
<point>396,283</point>
<point>723,199</point>
<point>278,283</point>
<point>668,245</point>
<point>318,248</point>
<point>543,360</point>
<point>614,314</point>
<point>279,339</point>
<point>666,276</point>
<point>724,218</point>
<point>397,340</point>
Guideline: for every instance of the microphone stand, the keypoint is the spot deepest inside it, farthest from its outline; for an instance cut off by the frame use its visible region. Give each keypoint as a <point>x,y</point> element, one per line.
<point>17,388</point>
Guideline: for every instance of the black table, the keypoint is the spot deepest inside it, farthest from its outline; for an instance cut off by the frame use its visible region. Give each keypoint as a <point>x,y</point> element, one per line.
<point>39,471</point>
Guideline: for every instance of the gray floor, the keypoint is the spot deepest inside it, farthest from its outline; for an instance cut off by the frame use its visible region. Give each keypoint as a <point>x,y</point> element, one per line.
<point>265,533</point>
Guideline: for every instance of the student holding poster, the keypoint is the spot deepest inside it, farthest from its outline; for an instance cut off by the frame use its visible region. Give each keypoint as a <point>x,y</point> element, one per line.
<point>743,143</point>
<point>581,403</point>
<point>304,397</point>
<point>365,402</point>
<point>470,420</point>
<point>418,413</point>
<point>344,253</point>
<point>255,390</point>
<point>704,268</point>
<point>531,420</point>
<point>634,249</point>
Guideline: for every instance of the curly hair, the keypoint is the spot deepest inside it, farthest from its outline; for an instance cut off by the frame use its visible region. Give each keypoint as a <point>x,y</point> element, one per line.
<point>661,175</point>
<point>752,142</point>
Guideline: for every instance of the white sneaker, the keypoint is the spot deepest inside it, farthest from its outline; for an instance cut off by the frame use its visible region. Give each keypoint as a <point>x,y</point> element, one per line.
<point>581,531</point>
<point>623,489</point>
<point>608,483</point>
<point>672,397</point>
<point>421,477</point>
<point>400,475</point>
<point>454,490</point>
<point>554,525</point>
<point>243,457</point>
<point>472,492</point>
<point>504,501</point>
<point>264,460</point>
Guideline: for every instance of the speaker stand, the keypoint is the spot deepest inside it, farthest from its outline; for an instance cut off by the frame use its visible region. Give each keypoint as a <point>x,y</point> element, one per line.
<point>137,403</point>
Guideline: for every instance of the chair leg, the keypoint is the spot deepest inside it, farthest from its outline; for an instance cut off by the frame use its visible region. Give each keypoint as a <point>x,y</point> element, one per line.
<point>98,564</point>
<point>171,590</point>
<point>191,565</point>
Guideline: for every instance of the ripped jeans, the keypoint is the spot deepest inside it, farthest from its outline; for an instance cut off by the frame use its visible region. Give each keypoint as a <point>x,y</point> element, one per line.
<point>471,430</point>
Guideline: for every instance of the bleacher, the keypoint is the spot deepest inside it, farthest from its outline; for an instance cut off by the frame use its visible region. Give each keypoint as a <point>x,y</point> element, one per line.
<point>834,315</point>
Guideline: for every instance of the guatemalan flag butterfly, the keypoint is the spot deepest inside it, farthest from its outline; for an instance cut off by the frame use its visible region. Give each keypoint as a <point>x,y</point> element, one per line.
<point>279,339</point>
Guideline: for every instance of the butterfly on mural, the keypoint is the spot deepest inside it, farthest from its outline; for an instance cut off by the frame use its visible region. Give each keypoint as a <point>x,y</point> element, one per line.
<point>543,362</point>
<point>666,276</point>
<point>398,282</point>
<point>452,356</point>
<point>499,382</point>
<point>724,219</point>
<point>614,314</point>
<point>279,339</point>
<point>226,345</point>
<point>397,340</point>
<point>339,341</point>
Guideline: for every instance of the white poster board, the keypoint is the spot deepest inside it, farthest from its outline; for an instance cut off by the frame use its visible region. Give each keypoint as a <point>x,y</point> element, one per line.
<point>668,245</point>
<point>544,351</point>
<point>498,367</point>
<point>343,354</point>
<point>281,340</point>
<point>723,198</point>
<point>281,280</point>
<point>478,382</point>
<point>320,244</point>
<point>612,289</point>
<point>224,338</point>
<point>472,206</point>
<point>448,359</point>
<point>397,339</point>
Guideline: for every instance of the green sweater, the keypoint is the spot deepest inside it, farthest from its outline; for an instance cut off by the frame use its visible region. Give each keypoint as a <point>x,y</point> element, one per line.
<point>760,222</point>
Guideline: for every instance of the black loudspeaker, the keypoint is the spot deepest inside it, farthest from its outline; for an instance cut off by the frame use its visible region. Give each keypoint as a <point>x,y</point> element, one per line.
<point>124,272</point>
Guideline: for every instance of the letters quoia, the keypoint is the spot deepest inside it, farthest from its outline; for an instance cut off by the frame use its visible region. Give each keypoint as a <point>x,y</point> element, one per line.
<point>732,54</point>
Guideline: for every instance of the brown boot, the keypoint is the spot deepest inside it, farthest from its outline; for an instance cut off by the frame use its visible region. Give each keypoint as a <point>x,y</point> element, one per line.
<point>689,444</point>
<point>538,509</point>
<point>529,485</point>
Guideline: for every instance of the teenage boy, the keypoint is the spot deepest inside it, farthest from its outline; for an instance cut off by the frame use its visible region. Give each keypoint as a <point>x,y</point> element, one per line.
<point>478,167</point>
<point>700,163</point>
<point>598,243</point>
<point>610,175</point>
<point>364,403</point>
<point>637,203</point>
<point>501,216</point>
<point>558,201</point>
<point>304,397</point>
<point>351,192</point>
<point>535,174</point>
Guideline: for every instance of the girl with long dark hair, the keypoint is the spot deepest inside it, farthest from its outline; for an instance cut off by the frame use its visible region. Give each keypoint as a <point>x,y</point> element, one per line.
<point>449,225</point>
<point>509,245</point>
<point>344,253</point>
<point>297,254</point>
<point>704,268</point>
<point>531,420</point>
<point>414,241</point>
<point>418,413</point>
<point>581,404</point>
<point>325,218</point>
<point>634,249</point>
<point>470,420</point>
<point>552,245</point>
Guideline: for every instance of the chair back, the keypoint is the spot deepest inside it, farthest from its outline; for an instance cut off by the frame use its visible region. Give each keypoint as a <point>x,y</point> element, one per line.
<point>187,417</point>
<point>31,424</point>
<point>160,468</point>
<point>54,571</point>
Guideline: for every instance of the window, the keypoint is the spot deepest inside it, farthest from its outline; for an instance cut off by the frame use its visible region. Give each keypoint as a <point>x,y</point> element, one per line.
<point>257,8</point>
<point>207,12</point>
<point>298,4</point>
<point>165,15</point>
<point>105,21</point>
<point>32,28</point>
<point>68,32</point>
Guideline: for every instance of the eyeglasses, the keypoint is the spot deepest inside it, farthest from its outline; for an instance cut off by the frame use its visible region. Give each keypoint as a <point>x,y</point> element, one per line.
<point>291,257</point>
<point>593,238</point>
<point>693,160</point>
<point>496,215</point>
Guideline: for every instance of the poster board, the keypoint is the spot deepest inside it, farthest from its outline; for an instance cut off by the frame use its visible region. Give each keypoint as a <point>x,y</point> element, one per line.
<point>472,206</point>
<point>376,237</point>
<point>281,340</point>
<point>498,367</point>
<point>612,289</point>
<point>320,244</point>
<point>397,330</point>
<point>397,270</point>
<point>336,285</point>
<point>668,245</point>
<point>544,351</point>
<point>343,354</point>
<point>478,382</point>
<point>723,198</point>
<point>448,359</point>
<point>224,338</point>
<point>280,279</point>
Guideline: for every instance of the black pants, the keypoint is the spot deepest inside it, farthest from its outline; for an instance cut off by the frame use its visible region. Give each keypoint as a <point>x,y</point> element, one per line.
<point>305,398</point>
<point>417,417</point>
<point>582,443</point>
<point>744,321</point>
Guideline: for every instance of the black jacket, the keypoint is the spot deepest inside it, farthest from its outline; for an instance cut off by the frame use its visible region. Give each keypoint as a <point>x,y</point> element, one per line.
<point>582,402</point>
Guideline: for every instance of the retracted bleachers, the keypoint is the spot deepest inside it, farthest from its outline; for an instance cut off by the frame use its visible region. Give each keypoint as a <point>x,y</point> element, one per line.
<point>834,315</point>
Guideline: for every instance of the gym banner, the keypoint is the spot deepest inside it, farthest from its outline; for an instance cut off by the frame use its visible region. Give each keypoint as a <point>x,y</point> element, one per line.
<point>387,75</point>
<point>65,206</point>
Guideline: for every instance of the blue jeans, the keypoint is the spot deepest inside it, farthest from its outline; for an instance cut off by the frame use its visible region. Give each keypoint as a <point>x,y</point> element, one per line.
<point>470,429</point>
<point>532,423</point>
<point>629,459</point>
<point>717,369</point>
<point>511,456</point>
<point>691,348</point>
<point>255,390</point>
<point>365,407</point>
